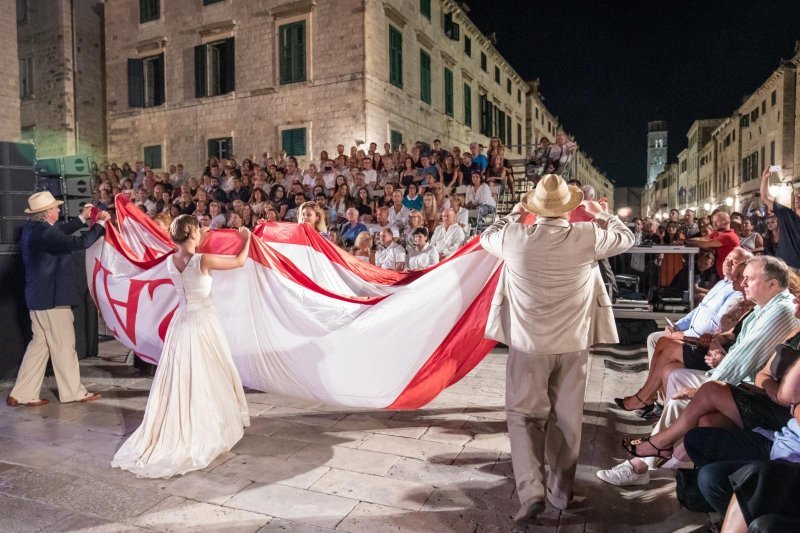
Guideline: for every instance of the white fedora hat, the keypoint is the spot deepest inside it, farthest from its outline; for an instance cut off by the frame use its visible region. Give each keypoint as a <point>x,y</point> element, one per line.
<point>552,197</point>
<point>41,201</point>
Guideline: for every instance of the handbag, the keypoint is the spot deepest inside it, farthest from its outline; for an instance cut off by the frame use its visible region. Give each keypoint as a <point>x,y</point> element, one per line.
<point>688,492</point>
<point>785,357</point>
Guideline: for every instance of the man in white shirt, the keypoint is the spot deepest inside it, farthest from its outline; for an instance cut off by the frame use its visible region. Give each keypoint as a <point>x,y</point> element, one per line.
<point>390,255</point>
<point>448,236</point>
<point>143,199</point>
<point>382,222</point>
<point>398,213</point>
<point>370,174</point>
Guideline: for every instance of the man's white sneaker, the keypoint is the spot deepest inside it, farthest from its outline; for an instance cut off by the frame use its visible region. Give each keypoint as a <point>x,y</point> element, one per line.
<point>623,475</point>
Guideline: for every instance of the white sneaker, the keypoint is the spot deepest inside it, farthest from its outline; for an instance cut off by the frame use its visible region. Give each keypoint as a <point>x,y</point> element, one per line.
<point>623,475</point>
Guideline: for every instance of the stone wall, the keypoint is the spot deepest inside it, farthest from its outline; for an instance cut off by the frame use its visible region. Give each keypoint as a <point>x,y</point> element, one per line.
<point>66,114</point>
<point>391,108</point>
<point>330,104</point>
<point>9,83</point>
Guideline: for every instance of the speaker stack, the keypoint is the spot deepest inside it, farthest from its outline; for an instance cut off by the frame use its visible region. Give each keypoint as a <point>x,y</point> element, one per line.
<point>69,178</point>
<point>17,183</point>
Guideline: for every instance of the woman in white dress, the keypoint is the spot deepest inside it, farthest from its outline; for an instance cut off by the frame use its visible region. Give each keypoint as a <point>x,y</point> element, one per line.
<point>197,408</point>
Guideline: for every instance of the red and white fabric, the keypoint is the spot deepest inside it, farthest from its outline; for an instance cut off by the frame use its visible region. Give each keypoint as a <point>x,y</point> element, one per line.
<point>303,317</point>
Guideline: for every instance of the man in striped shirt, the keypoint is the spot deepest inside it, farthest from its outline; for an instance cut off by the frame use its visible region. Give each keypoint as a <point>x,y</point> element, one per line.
<point>766,284</point>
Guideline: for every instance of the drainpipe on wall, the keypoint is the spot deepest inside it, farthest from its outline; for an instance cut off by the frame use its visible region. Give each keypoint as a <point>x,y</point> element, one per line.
<point>74,76</point>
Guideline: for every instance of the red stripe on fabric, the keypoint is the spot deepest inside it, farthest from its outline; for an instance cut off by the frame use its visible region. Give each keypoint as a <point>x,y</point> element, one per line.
<point>448,364</point>
<point>126,208</point>
<point>305,235</point>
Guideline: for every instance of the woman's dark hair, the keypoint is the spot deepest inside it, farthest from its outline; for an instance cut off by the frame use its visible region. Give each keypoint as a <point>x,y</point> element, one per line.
<point>181,228</point>
<point>422,230</point>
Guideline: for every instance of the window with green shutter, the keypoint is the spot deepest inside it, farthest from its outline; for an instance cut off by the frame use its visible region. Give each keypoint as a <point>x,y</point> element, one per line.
<point>215,68</point>
<point>292,48</point>
<point>467,105</point>
<point>424,76</point>
<point>146,81</point>
<point>448,91</point>
<point>152,156</point>
<point>294,141</point>
<point>487,112</point>
<point>508,85</point>
<point>396,139</point>
<point>395,57</point>
<point>519,137</point>
<point>483,62</point>
<point>425,8</point>
<point>467,46</point>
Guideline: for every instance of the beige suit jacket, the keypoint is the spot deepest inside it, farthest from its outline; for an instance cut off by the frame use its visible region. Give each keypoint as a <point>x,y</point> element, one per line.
<point>550,298</point>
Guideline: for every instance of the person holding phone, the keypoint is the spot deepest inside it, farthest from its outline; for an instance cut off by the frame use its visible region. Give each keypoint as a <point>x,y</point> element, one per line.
<point>788,247</point>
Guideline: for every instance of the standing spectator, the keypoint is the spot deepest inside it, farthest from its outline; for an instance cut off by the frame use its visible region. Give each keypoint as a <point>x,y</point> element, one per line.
<point>421,254</point>
<point>722,239</point>
<point>772,235</point>
<point>448,236</point>
<point>788,247</point>
<point>690,228</point>
<point>749,238</point>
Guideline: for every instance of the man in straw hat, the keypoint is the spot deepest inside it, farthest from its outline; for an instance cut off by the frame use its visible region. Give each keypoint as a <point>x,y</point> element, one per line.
<point>50,295</point>
<point>550,306</point>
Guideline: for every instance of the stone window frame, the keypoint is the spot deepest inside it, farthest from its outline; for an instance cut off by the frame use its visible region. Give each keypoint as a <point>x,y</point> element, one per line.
<point>29,65</point>
<point>289,17</point>
<point>160,8</point>
<point>222,136</point>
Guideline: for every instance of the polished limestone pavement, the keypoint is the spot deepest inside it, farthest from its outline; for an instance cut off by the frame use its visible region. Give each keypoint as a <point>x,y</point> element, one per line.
<point>306,467</point>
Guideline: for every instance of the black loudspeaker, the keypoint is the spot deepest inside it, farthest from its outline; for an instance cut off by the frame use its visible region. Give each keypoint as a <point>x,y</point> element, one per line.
<point>14,204</point>
<point>17,179</point>
<point>11,229</point>
<point>17,155</point>
<point>16,333</point>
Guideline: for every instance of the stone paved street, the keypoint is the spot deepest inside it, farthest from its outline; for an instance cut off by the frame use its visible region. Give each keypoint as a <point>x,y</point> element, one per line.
<point>313,468</point>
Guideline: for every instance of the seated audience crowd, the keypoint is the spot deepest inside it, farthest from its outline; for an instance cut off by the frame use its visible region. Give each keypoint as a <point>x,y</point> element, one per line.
<point>388,195</point>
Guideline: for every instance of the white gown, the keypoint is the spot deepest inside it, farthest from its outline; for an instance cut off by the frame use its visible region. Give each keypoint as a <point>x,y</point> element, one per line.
<point>197,408</point>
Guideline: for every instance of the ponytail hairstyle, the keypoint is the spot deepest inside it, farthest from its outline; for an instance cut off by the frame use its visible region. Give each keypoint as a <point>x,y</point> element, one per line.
<point>182,227</point>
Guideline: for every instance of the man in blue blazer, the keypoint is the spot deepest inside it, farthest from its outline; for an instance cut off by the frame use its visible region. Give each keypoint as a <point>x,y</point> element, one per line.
<point>50,294</point>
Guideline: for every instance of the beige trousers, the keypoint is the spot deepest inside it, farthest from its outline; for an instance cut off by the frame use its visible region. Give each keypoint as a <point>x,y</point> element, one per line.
<point>53,337</point>
<point>544,408</point>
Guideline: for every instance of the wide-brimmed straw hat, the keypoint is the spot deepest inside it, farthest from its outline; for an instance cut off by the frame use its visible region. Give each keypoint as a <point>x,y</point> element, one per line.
<point>552,197</point>
<point>41,201</point>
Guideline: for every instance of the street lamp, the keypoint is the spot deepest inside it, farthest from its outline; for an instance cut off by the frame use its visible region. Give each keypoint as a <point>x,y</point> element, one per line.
<point>729,201</point>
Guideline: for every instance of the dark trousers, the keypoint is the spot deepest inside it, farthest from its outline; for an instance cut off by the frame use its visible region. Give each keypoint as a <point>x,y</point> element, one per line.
<point>774,523</point>
<point>718,453</point>
<point>712,445</point>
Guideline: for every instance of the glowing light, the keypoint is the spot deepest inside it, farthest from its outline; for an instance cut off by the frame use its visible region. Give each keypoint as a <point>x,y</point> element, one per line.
<point>729,201</point>
<point>706,206</point>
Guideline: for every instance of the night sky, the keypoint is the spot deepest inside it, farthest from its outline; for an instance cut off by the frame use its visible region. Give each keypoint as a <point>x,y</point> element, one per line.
<point>608,67</point>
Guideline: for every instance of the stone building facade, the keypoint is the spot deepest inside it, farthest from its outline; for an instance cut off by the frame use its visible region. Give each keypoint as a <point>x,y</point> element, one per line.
<point>252,77</point>
<point>61,65</point>
<point>724,158</point>
<point>9,85</point>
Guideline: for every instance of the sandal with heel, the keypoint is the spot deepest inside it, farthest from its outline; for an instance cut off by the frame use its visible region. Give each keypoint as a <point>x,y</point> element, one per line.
<point>646,407</point>
<point>631,445</point>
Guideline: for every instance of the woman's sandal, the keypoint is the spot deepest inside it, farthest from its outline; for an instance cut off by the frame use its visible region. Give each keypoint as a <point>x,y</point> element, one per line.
<point>646,407</point>
<point>630,446</point>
